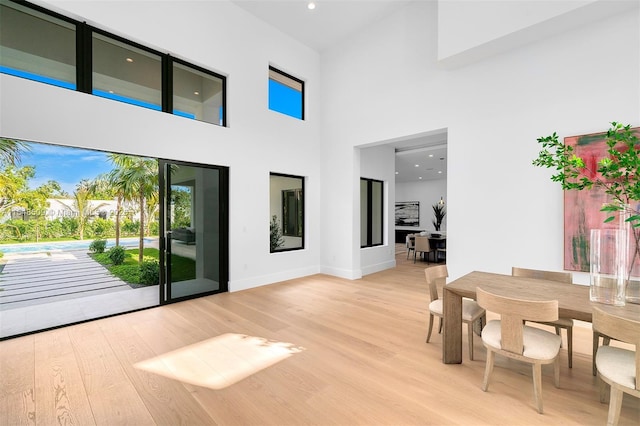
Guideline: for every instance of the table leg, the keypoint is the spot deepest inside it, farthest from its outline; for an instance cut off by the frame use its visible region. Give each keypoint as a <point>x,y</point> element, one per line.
<point>452,331</point>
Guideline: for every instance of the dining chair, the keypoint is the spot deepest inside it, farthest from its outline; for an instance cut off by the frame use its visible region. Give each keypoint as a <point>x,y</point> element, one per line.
<point>411,244</point>
<point>471,312</point>
<point>511,337</point>
<point>565,323</point>
<point>617,367</point>
<point>422,246</point>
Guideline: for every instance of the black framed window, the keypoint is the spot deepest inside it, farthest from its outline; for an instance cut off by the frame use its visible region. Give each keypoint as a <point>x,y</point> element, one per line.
<point>37,46</point>
<point>286,93</point>
<point>44,46</point>
<point>371,212</point>
<point>125,73</point>
<point>286,200</point>
<point>197,93</point>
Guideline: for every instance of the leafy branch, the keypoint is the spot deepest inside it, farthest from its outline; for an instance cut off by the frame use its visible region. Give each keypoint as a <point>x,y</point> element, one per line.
<point>617,174</point>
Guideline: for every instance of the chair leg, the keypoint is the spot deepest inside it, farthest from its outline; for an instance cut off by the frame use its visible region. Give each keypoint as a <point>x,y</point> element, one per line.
<point>488,369</point>
<point>556,372</point>
<point>603,388</point>
<point>537,385</point>
<point>558,333</point>
<point>596,340</point>
<point>470,338</point>
<point>615,403</point>
<point>440,325</point>
<point>430,327</point>
<point>570,346</point>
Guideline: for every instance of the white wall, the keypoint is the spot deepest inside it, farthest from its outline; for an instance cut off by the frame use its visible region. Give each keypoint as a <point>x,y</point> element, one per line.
<point>378,163</point>
<point>469,30</point>
<point>428,193</point>
<point>502,211</point>
<point>224,38</point>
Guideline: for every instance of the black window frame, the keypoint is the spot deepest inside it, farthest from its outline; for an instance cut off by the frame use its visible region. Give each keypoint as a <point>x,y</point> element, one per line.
<point>302,90</point>
<point>301,212</point>
<point>370,207</point>
<point>84,65</point>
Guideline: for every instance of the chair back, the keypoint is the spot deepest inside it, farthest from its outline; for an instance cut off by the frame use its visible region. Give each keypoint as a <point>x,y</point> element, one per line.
<point>410,240</point>
<point>435,275</point>
<point>622,329</point>
<point>564,277</point>
<point>422,244</point>
<point>513,313</point>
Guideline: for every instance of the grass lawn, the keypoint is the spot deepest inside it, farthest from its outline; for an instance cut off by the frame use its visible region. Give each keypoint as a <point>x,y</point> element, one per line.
<point>182,268</point>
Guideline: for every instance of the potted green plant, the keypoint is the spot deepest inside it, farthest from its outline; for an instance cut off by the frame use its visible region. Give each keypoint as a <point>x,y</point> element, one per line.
<point>439,213</point>
<point>618,174</point>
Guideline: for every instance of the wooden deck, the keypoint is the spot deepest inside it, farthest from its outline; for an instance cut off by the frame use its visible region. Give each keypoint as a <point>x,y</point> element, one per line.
<point>38,278</point>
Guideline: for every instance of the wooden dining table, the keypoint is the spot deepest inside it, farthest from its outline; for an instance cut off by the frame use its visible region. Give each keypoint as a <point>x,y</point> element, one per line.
<point>573,302</point>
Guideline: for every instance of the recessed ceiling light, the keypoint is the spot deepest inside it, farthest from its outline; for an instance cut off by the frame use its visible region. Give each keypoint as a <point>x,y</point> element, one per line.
<point>110,91</point>
<point>397,172</point>
<point>420,177</point>
<point>129,60</point>
<point>196,93</point>
<point>417,165</point>
<point>439,171</point>
<point>311,5</point>
<point>430,155</point>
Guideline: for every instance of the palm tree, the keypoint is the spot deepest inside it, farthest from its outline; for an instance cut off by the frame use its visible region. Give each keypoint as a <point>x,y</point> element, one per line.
<point>135,178</point>
<point>82,203</point>
<point>10,150</point>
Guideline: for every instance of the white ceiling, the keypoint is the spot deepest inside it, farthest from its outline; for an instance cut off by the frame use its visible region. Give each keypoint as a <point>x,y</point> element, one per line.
<point>325,26</point>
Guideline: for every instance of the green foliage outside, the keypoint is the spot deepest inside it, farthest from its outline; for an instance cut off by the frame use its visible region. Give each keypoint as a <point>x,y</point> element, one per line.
<point>116,255</point>
<point>276,238</point>
<point>98,246</point>
<point>130,271</point>
<point>149,272</point>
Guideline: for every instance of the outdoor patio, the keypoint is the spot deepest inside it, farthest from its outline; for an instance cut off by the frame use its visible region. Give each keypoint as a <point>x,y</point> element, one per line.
<point>48,289</point>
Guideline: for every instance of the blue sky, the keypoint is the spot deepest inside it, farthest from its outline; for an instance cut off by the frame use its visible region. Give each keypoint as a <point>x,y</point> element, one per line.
<point>67,166</point>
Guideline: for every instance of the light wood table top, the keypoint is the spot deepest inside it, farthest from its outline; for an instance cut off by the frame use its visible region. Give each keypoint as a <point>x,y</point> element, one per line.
<point>573,302</point>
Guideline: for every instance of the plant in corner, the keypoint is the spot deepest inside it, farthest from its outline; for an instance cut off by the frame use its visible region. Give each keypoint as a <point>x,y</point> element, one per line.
<point>439,212</point>
<point>618,174</point>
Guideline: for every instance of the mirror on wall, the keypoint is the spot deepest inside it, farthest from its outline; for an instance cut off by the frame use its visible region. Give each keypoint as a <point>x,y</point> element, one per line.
<point>286,215</point>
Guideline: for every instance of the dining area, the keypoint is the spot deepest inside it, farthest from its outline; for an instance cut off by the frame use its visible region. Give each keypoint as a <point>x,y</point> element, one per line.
<point>429,247</point>
<point>519,319</point>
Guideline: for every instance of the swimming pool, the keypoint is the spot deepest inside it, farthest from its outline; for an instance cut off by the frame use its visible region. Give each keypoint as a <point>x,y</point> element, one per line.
<point>65,245</point>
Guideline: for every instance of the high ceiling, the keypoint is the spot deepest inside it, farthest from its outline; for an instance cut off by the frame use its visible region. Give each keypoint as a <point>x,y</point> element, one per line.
<point>325,26</point>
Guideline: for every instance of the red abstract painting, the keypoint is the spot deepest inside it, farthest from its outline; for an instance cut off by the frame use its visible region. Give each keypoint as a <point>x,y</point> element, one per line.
<point>582,208</point>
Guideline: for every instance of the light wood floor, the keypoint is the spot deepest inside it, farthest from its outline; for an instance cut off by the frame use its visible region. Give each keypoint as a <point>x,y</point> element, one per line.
<point>360,359</point>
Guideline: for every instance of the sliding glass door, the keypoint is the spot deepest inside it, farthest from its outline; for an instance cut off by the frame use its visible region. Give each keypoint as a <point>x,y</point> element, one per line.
<point>194,230</point>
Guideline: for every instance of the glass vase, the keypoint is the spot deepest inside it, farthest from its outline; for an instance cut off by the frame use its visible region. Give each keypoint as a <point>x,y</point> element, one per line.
<point>632,292</point>
<point>609,250</point>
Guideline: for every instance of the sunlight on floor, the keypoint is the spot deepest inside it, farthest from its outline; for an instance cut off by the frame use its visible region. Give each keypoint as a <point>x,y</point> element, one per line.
<point>220,361</point>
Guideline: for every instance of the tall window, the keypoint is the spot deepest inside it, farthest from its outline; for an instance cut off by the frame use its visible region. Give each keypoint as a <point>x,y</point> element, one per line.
<point>37,46</point>
<point>286,212</point>
<point>286,94</point>
<point>371,212</point>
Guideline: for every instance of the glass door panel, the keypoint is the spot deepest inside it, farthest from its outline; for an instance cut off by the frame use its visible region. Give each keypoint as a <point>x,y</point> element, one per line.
<point>194,231</point>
